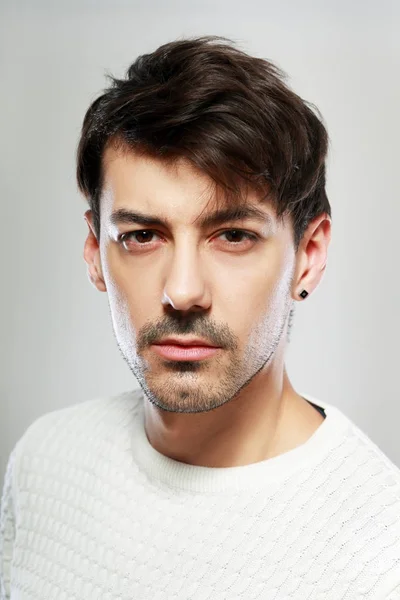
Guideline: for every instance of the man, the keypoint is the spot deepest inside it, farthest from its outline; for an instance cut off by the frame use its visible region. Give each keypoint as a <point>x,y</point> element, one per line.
<point>208,220</point>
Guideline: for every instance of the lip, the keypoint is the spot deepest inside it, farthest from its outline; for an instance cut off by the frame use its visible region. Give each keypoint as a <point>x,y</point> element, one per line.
<point>184,352</point>
<point>185,342</point>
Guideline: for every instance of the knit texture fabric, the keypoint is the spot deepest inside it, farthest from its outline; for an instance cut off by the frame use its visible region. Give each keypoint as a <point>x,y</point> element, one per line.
<point>90,510</point>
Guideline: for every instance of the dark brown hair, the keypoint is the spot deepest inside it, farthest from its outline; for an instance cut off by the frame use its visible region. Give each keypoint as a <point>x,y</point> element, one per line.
<point>230,114</point>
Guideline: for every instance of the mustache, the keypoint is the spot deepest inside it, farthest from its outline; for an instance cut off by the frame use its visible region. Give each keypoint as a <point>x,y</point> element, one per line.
<point>206,330</point>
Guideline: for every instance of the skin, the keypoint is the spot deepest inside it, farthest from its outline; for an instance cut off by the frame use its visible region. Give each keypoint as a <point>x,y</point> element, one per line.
<point>237,407</point>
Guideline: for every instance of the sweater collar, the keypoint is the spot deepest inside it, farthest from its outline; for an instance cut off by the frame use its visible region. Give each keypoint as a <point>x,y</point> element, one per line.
<point>265,475</point>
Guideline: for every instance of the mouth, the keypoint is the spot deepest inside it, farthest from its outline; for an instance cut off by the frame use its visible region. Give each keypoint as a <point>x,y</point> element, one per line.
<point>181,352</point>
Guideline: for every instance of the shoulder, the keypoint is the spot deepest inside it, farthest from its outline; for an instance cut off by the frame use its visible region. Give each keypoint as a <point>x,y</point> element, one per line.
<point>355,452</point>
<point>369,513</point>
<point>80,426</point>
<point>355,494</point>
<point>383,473</point>
<point>360,481</point>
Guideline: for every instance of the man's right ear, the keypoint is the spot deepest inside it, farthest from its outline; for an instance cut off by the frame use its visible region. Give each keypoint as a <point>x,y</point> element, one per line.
<point>91,254</point>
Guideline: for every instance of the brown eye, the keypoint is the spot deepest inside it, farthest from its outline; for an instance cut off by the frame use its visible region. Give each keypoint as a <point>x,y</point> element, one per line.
<point>234,234</point>
<point>142,236</point>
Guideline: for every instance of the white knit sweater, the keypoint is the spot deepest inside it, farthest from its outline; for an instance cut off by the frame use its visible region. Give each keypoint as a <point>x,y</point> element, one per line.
<point>90,510</point>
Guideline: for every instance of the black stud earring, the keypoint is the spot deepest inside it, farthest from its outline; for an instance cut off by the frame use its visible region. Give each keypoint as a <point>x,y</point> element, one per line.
<point>304,294</point>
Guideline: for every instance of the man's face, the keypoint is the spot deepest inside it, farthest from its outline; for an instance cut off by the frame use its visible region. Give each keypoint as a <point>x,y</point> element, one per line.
<point>188,279</point>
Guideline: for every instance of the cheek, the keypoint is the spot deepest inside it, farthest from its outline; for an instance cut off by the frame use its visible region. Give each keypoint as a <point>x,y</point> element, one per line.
<point>127,281</point>
<point>256,304</point>
<point>249,289</point>
<point>130,294</point>
<point>243,297</point>
<point>244,303</point>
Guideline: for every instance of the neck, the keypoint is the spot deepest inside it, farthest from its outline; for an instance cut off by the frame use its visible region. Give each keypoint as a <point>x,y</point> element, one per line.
<point>266,419</point>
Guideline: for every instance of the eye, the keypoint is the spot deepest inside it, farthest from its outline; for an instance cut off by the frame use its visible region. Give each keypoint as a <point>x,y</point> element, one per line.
<point>143,237</point>
<point>238,233</point>
<point>147,234</point>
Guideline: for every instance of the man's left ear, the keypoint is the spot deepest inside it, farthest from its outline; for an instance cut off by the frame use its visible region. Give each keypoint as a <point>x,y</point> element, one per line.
<point>311,257</point>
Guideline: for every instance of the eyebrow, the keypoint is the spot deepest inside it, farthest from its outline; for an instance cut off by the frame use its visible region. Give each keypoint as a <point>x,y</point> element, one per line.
<point>125,216</point>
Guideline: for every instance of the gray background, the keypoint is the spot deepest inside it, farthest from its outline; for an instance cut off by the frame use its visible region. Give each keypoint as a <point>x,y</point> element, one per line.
<point>57,343</point>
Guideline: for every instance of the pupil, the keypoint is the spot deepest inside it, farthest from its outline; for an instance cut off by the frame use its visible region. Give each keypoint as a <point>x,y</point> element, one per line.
<point>234,233</point>
<point>143,233</point>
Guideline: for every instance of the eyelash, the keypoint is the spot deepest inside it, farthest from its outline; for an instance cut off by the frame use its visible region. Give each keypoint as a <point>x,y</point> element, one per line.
<point>250,236</point>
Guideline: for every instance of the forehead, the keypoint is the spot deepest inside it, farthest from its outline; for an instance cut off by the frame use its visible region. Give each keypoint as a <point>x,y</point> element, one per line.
<point>171,190</point>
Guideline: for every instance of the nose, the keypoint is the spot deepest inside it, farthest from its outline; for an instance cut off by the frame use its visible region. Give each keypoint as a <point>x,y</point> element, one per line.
<point>185,287</point>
